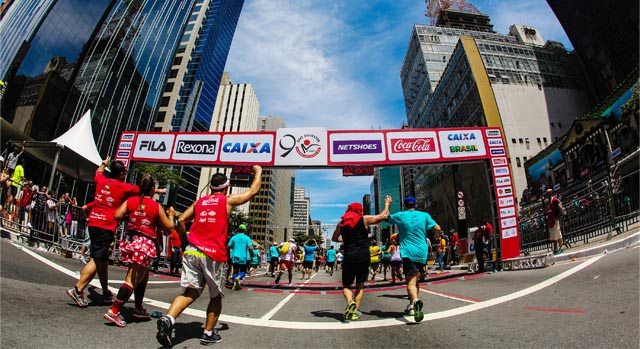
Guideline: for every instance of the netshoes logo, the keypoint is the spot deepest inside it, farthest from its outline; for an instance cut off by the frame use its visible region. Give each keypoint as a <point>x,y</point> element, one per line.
<point>196,147</point>
<point>258,148</point>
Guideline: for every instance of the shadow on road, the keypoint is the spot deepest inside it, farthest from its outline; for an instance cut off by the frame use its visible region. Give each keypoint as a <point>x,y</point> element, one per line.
<point>327,314</point>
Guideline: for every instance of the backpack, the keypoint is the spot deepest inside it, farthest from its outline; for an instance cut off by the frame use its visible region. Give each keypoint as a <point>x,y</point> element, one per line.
<point>285,248</point>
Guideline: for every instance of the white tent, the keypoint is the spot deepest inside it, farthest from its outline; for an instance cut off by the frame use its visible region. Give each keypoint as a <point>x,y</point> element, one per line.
<point>74,153</point>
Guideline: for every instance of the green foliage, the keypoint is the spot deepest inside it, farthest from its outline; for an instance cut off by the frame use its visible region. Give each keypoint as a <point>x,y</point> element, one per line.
<point>633,104</point>
<point>165,175</point>
<point>301,238</point>
<point>238,217</point>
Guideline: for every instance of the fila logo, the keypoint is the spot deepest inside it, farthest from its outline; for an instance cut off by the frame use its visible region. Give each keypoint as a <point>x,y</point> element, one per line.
<point>153,146</point>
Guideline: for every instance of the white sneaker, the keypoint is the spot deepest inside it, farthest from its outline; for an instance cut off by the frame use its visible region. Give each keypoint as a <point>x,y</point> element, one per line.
<point>409,310</point>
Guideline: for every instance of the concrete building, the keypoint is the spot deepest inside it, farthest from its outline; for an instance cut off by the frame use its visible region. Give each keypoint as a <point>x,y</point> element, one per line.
<point>271,209</point>
<point>301,212</point>
<point>604,35</point>
<point>237,109</point>
<point>486,79</point>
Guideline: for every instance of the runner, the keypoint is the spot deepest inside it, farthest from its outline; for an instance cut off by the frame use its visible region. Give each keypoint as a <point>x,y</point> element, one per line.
<point>386,259</point>
<point>110,194</point>
<point>255,259</point>
<point>339,258</point>
<point>412,226</point>
<point>139,247</point>
<point>353,230</point>
<point>274,254</point>
<point>374,253</point>
<point>442,250</point>
<point>241,249</point>
<point>310,248</point>
<point>299,259</point>
<point>331,259</point>
<point>395,259</point>
<point>287,258</point>
<point>205,256</point>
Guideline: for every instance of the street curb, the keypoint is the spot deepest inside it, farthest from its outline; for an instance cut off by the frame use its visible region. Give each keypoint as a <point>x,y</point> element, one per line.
<point>597,250</point>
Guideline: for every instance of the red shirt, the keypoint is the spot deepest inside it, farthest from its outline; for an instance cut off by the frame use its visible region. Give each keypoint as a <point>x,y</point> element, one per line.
<point>27,196</point>
<point>174,239</point>
<point>143,216</point>
<point>454,239</point>
<point>209,229</point>
<point>110,194</point>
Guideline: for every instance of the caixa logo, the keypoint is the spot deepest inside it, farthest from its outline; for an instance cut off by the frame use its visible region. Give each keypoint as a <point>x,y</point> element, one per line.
<point>248,147</point>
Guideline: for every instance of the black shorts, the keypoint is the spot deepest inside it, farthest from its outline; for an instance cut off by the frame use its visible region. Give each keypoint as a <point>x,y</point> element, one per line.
<point>14,191</point>
<point>410,267</point>
<point>101,241</point>
<point>330,264</point>
<point>358,271</point>
<point>396,263</point>
<point>274,260</point>
<point>238,268</point>
<point>386,261</point>
<point>307,265</point>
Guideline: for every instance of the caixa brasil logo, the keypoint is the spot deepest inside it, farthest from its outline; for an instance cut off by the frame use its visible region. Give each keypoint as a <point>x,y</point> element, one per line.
<point>247,148</point>
<point>307,145</point>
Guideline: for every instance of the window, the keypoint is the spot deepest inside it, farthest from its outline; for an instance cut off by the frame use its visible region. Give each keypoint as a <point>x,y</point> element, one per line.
<point>164,101</point>
<point>538,140</point>
<point>173,73</point>
<point>161,116</point>
<point>168,87</point>
<point>553,124</point>
<point>525,159</point>
<point>181,49</point>
<point>518,163</point>
<point>520,140</point>
<point>513,140</point>
<point>544,139</point>
<point>177,61</point>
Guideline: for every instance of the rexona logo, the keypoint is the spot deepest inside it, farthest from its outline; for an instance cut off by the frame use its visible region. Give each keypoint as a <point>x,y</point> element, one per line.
<point>153,146</point>
<point>247,148</point>
<point>196,147</point>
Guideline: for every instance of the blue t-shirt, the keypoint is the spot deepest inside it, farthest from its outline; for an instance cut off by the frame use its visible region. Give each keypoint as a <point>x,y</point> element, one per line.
<point>240,245</point>
<point>331,256</point>
<point>412,227</point>
<point>256,257</point>
<point>274,251</point>
<point>308,253</point>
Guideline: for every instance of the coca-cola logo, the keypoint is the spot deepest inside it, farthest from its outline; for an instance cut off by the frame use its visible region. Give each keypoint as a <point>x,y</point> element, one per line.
<point>413,145</point>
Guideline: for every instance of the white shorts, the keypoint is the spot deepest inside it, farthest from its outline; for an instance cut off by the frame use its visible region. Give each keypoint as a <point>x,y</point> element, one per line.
<point>199,270</point>
<point>554,232</point>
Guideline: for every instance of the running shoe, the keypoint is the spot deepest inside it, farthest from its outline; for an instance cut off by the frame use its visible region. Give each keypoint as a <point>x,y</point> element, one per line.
<point>418,315</point>
<point>278,279</point>
<point>236,284</point>
<point>409,310</point>
<point>165,331</point>
<point>210,340</point>
<point>350,310</point>
<point>356,316</point>
<point>77,297</point>
<point>115,319</point>
<point>107,297</point>
<point>141,314</point>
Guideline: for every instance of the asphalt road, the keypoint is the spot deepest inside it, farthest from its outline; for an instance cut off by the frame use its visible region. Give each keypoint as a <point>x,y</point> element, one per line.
<point>584,303</point>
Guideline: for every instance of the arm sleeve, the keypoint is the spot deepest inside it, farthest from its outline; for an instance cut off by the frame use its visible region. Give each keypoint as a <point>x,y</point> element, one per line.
<point>430,222</point>
<point>393,218</point>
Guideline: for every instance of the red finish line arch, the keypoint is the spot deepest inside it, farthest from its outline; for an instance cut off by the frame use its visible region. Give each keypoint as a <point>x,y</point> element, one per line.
<point>322,148</point>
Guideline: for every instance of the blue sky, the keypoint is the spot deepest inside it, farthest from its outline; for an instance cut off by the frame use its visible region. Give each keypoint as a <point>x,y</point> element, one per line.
<point>336,64</point>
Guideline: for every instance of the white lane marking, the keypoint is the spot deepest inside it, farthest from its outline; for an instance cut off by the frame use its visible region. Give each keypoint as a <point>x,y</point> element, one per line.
<point>359,324</point>
<point>447,296</point>
<point>279,306</point>
<point>149,282</point>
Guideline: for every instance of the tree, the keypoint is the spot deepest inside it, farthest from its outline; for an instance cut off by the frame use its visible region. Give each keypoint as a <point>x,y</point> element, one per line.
<point>236,218</point>
<point>165,175</point>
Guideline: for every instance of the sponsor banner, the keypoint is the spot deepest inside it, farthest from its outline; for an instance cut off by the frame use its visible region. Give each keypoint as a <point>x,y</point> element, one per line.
<point>509,233</point>
<point>502,181</point>
<point>301,147</point>
<point>495,133</point>
<point>127,136</point>
<point>499,161</point>
<point>125,162</point>
<point>247,148</point>
<point>504,191</point>
<point>153,146</point>
<point>356,147</point>
<point>498,152</point>
<point>495,142</point>
<point>500,171</point>
<point>508,201</point>
<point>507,222</point>
<point>125,145</point>
<point>123,154</point>
<point>462,213</point>
<point>196,147</point>
<point>462,143</point>
<point>507,212</point>
<point>412,145</point>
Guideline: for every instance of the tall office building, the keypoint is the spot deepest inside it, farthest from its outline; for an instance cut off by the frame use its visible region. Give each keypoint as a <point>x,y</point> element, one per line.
<point>301,211</point>
<point>237,109</point>
<point>389,182</point>
<point>604,35</point>
<point>453,77</point>
<point>270,209</point>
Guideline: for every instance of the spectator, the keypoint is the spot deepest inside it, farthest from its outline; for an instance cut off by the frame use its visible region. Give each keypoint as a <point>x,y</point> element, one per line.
<point>13,157</point>
<point>174,250</point>
<point>52,208</point>
<point>39,213</point>
<point>25,204</point>
<point>554,212</point>
<point>455,247</point>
